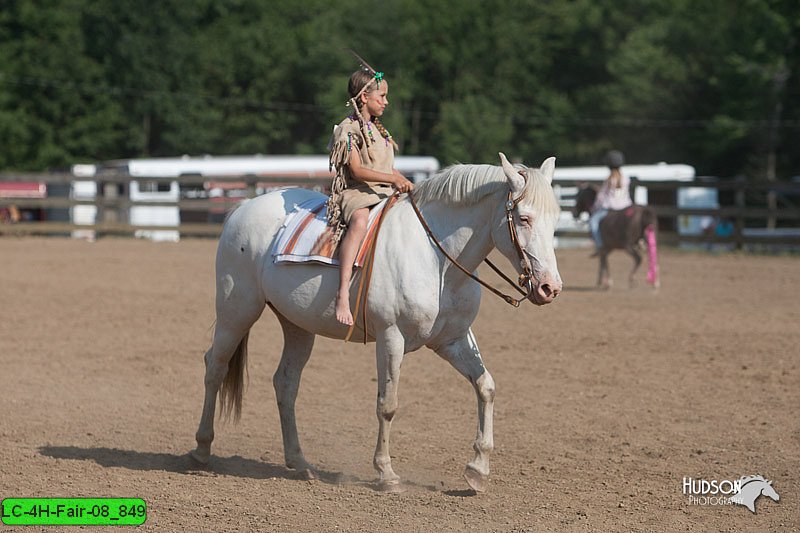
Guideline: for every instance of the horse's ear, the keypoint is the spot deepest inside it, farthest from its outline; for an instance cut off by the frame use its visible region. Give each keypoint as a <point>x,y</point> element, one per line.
<point>515,179</point>
<point>548,168</point>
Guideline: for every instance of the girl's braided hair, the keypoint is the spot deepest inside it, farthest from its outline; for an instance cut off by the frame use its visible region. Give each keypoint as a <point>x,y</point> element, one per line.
<point>363,81</point>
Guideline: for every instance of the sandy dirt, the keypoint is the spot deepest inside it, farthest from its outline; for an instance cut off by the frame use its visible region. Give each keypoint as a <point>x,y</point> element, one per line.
<point>605,400</point>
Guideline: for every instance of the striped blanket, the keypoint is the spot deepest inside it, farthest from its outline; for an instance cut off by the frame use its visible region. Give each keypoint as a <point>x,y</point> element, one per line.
<point>306,236</point>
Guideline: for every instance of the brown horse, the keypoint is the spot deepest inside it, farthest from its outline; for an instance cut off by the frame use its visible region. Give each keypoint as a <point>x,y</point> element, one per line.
<point>622,230</point>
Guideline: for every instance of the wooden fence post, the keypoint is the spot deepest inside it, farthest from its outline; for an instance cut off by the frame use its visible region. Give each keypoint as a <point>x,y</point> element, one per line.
<point>739,201</point>
<point>251,180</point>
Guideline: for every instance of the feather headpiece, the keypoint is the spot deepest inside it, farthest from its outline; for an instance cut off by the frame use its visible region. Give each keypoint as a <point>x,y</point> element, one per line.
<point>376,75</point>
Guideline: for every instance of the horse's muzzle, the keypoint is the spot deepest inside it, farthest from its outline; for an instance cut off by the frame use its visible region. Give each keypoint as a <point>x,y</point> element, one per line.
<point>545,291</point>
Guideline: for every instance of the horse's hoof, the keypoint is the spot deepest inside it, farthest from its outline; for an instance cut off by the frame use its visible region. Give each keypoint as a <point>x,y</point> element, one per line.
<point>303,468</point>
<point>307,474</point>
<point>200,456</point>
<point>477,481</point>
<point>393,486</point>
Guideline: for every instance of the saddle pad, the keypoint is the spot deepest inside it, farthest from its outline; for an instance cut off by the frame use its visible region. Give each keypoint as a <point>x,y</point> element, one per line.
<point>306,237</point>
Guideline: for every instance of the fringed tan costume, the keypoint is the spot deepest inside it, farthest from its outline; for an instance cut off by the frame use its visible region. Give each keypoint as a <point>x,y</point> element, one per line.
<point>375,147</point>
<point>348,194</point>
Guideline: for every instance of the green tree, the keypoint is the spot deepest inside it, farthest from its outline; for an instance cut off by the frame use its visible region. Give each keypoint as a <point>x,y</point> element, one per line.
<point>53,110</point>
<point>713,84</point>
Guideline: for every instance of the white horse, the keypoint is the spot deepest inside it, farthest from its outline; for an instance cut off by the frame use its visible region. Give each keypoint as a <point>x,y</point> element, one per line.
<point>416,298</point>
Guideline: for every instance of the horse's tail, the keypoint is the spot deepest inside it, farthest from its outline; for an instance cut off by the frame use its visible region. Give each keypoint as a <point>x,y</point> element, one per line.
<point>650,224</point>
<point>232,388</point>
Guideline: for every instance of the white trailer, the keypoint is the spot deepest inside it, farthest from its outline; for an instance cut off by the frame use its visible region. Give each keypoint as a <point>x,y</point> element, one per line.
<point>158,180</point>
<point>135,190</point>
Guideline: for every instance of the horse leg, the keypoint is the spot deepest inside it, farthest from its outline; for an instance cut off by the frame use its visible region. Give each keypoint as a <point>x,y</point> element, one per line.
<point>637,260</point>
<point>389,351</point>
<point>234,320</point>
<point>463,354</point>
<point>297,345</point>
<point>603,276</point>
<point>227,342</point>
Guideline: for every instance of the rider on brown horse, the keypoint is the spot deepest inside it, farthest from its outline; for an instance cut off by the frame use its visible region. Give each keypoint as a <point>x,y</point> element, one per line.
<point>615,222</point>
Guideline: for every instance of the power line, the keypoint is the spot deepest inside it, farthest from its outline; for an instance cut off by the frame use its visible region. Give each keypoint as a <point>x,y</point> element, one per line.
<point>302,107</point>
<point>129,91</point>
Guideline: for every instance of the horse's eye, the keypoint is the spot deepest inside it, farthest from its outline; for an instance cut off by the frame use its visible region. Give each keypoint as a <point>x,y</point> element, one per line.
<point>525,220</point>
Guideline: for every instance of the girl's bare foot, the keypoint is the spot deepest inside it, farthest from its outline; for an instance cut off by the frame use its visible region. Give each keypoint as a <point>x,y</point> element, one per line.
<point>343,313</point>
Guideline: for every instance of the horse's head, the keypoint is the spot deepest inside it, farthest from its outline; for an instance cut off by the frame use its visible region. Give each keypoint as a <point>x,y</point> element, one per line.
<point>770,492</point>
<point>534,210</point>
<point>584,200</point>
<point>750,488</point>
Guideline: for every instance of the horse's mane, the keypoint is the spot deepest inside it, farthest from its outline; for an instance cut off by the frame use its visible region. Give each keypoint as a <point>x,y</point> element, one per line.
<point>460,184</point>
<point>747,479</point>
<point>467,184</point>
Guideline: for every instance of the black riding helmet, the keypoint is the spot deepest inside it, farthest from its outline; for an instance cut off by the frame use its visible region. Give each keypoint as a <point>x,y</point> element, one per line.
<point>614,159</point>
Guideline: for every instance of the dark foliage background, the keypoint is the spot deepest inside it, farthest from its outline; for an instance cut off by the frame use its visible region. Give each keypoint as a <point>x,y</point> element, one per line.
<point>713,84</point>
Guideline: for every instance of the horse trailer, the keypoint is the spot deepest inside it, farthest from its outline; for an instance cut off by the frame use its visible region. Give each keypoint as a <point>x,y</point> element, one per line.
<point>160,180</point>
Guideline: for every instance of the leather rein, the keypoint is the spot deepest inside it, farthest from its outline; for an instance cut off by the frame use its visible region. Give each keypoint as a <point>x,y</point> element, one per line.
<point>524,278</point>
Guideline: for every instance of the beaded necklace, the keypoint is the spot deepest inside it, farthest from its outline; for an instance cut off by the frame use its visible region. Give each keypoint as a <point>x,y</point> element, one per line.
<point>386,140</point>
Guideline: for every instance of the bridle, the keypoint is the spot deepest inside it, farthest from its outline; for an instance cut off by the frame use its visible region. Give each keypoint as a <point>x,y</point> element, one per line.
<point>524,280</point>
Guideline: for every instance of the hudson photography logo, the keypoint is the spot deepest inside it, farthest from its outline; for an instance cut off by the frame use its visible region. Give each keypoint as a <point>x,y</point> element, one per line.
<point>743,491</point>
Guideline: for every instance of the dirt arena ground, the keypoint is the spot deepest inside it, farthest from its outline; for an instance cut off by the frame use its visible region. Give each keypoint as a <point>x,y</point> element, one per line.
<point>605,401</point>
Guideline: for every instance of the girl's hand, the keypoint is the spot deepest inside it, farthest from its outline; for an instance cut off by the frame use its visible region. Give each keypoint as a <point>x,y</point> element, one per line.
<point>401,183</point>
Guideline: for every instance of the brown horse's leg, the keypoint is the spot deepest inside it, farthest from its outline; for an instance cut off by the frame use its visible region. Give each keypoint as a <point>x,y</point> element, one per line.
<point>603,276</point>
<point>637,260</point>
